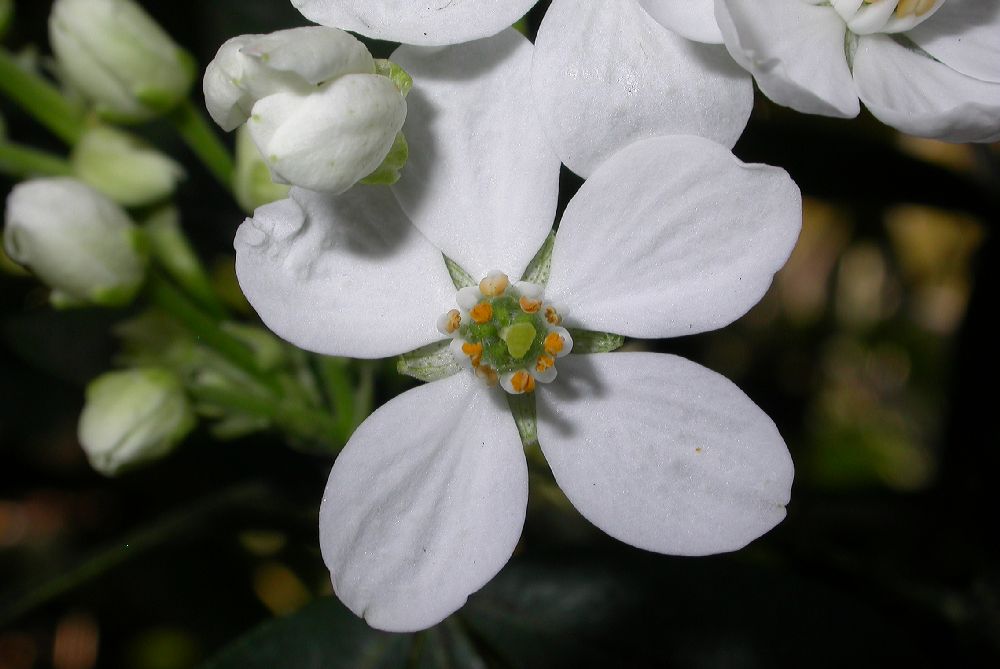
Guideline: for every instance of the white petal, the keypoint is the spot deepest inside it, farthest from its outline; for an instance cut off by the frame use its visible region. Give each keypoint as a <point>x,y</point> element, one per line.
<point>332,138</point>
<point>965,35</point>
<point>343,276</point>
<point>425,504</point>
<point>481,181</point>
<point>672,236</point>
<point>915,94</point>
<point>605,74</point>
<point>662,453</point>
<point>795,51</point>
<point>428,22</point>
<point>694,19</point>
<point>313,53</point>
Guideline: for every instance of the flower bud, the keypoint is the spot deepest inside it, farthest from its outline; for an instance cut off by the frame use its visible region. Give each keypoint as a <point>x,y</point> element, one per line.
<point>6,14</point>
<point>322,115</point>
<point>80,243</point>
<point>125,169</point>
<point>133,416</point>
<point>252,183</point>
<point>116,55</point>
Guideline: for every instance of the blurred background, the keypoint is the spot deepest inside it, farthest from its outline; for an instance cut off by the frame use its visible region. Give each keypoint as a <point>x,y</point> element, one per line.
<point>870,352</point>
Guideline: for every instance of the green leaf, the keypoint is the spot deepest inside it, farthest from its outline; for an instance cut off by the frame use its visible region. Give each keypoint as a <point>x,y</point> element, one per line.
<point>323,635</point>
<point>539,267</point>
<point>459,276</point>
<point>589,341</point>
<point>429,363</point>
<point>522,408</point>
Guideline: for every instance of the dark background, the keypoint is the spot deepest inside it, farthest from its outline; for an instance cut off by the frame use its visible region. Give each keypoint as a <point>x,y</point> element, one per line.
<point>871,353</point>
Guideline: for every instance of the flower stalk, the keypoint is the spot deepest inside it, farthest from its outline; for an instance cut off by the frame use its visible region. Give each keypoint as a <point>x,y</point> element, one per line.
<point>195,131</point>
<point>41,99</point>
<point>21,161</point>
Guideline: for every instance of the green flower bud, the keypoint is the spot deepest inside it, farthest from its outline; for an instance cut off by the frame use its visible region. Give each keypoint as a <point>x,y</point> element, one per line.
<point>119,58</point>
<point>80,243</point>
<point>6,14</point>
<point>122,167</point>
<point>133,416</point>
<point>252,183</point>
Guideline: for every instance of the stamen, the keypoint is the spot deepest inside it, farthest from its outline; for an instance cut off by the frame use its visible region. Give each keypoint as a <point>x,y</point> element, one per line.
<point>487,374</point>
<point>522,382</point>
<point>906,7</point>
<point>494,284</point>
<point>474,351</point>
<point>450,322</point>
<point>925,6</point>
<point>528,305</point>
<point>544,362</point>
<point>482,312</point>
<point>552,316</point>
<point>554,343</point>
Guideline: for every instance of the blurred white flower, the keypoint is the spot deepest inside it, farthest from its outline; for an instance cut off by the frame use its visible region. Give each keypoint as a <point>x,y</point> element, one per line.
<point>671,236</point>
<point>117,56</point>
<point>76,240</point>
<point>321,116</point>
<point>125,169</point>
<point>926,67</point>
<point>132,417</point>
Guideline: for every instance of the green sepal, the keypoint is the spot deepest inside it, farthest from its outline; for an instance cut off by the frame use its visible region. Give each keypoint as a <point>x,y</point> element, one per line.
<point>398,76</point>
<point>387,173</point>
<point>522,408</point>
<point>459,276</point>
<point>429,363</point>
<point>540,266</point>
<point>588,341</point>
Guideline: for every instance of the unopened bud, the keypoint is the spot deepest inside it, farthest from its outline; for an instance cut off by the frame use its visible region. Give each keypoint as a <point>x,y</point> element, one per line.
<point>122,167</point>
<point>319,110</point>
<point>80,243</point>
<point>133,416</point>
<point>117,56</point>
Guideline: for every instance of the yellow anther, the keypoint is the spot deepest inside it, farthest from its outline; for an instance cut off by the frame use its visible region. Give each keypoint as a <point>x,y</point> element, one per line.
<point>554,343</point>
<point>454,320</point>
<point>522,382</point>
<point>474,351</point>
<point>487,374</point>
<point>482,313</point>
<point>494,284</point>
<point>544,362</point>
<point>906,7</point>
<point>925,6</point>
<point>528,305</point>
<point>552,316</point>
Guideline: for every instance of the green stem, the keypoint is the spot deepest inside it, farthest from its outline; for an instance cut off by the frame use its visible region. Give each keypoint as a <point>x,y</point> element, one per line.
<point>207,329</point>
<point>194,128</point>
<point>41,99</point>
<point>23,161</point>
<point>299,420</point>
<point>130,546</point>
<point>340,392</point>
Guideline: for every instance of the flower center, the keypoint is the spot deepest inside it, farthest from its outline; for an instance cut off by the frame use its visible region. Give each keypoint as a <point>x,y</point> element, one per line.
<point>506,333</point>
<point>909,7</point>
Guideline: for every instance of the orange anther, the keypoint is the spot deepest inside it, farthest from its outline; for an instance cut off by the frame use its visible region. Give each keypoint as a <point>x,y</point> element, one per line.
<point>522,382</point>
<point>482,313</point>
<point>554,343</point>
<point>454,320</point>
<point>474,351</point>
<point>544,362</point>
<point>528,305</point>
<point>552,316</point>
<point>494,284</point>
<point>487,374</point>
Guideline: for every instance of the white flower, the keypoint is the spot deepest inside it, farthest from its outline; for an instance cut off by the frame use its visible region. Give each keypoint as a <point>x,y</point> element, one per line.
<point>76,240</point>
<point>119,58</point>
<point>671,236</point>
<point>926,67</point>
<point>315,107</point>
<point>426,22</point>
<point>609,73</point>
<point>133,416</point>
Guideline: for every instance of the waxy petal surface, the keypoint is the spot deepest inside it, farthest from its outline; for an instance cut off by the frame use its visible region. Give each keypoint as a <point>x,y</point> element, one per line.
<point>425,504</point>
<point>693,19</point>
<point>965,36</point>
<point>672,236</point>
<point>662,453</point>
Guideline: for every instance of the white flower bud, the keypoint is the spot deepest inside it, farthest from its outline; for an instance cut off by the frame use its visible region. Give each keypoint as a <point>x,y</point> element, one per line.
<point>125,169</point>
<point>318,112</point>
<point>133,416</point>
<point>80,243</point>
<point>117,56</point>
